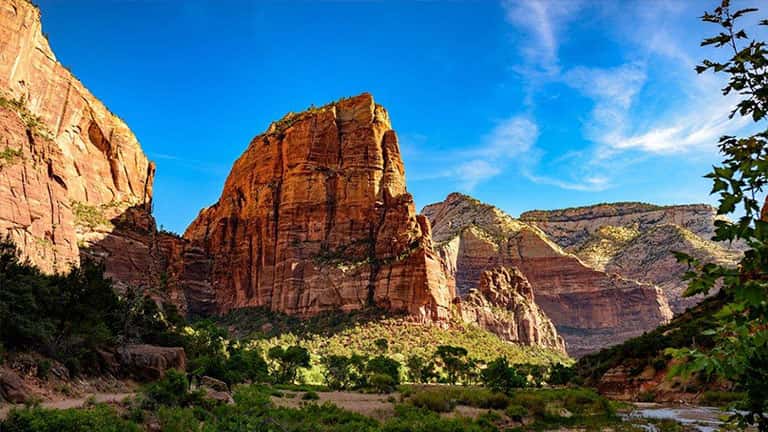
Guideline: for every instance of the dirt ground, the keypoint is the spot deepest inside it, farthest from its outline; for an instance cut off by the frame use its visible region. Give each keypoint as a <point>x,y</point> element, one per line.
<point>73,402</point>
<point>376,406</point>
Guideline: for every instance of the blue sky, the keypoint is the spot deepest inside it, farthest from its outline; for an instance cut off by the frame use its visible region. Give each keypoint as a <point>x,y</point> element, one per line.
<point>523,104</point>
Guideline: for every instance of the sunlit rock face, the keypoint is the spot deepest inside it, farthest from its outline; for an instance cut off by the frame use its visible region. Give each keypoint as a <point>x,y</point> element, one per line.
<point>315,216</point>
<point>636,241</point>
<point>71,172</point>
<point>504,304</point>
<point>591,308</point>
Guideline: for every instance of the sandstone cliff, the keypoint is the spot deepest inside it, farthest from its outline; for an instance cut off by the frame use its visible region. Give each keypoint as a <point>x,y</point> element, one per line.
<point>636,241</point>
<point>504,304</point>
<point>315,216</point>
<point>590,308</point>
<point>70,170</point>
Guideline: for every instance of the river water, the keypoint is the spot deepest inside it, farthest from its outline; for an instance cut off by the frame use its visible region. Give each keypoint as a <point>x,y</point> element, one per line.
<point>704,419</point>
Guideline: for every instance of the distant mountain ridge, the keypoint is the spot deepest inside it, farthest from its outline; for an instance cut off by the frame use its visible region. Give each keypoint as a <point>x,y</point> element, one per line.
<point>602,273</point>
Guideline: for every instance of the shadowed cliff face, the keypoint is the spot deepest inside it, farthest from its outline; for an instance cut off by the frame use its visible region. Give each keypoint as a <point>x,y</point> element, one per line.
<point>315,216</point>
<point>68,166</point>
<point>590,308</point>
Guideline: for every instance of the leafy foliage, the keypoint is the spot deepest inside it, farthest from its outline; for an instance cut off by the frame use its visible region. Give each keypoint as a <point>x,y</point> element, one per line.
<point>500,376</point>
<point>741,350</point>
<point>288,361</point>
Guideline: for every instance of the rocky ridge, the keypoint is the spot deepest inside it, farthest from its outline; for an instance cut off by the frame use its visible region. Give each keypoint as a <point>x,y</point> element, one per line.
<point>636,241</point>
<point>590,308</point>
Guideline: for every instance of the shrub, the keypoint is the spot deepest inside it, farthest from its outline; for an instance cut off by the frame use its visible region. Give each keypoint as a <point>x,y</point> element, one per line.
<point>176,419</point>
<point>99,418</point>
<point>310,395</point>
<point>44,368</point>
<point>171,390</point>
<point>437,401</point>
<point>382,383</point>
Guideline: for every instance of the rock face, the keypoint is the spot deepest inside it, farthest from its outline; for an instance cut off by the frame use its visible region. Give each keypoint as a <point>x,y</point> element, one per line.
<point>636,241</point>
<point>315,216</point>
<point>70,170</point>
<point>590,308</point>
<point>503,303</point>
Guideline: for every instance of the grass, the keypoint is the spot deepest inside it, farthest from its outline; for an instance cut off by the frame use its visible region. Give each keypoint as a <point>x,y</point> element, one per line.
<point>10,156</point>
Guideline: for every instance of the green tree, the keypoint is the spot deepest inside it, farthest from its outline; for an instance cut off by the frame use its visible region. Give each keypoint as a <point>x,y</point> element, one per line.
<point>420,369</point>
<point>338,371</point>
<point>500,376</point>
<point>288,362</point>
<point>453,359</point>
<point>741,350</point>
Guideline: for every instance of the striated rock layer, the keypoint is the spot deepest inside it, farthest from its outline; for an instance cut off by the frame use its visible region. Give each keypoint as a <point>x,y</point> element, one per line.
<point>70,170</point>
<point>636,241</point>
<point>590,308</point>
<point>315,216</point>
<point>503,303</point>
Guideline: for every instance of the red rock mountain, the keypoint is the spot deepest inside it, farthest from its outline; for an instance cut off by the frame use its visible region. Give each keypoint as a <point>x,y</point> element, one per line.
<point>636,241</point>
<point>70,170</point>
<point>315,216</point>
<point>591,309</point>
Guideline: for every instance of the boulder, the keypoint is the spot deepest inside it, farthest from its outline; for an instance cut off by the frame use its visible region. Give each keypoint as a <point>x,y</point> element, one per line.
<point>12,387</point>
<point>149,362</point>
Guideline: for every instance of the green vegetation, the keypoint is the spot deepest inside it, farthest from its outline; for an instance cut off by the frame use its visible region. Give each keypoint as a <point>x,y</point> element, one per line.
<point>356,333</point>
<point>70,316</point>
<point>10,156</point>
<point>648,350</point>
<point>31,121</point>
<point>740,350</point>
<point>100,418</point>
<point>88,216</point>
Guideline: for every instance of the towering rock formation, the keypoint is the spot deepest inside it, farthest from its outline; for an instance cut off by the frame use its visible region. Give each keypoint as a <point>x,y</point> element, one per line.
<point>504,304</point>
<point>636,241</point>
<point>591,308</point>
<point>315,216</point>
<point>71,172</point>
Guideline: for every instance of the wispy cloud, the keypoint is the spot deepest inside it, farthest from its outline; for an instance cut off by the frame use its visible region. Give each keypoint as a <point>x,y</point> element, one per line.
<point>511,139</point>
<point>542,20</point>
<point>627,123</point>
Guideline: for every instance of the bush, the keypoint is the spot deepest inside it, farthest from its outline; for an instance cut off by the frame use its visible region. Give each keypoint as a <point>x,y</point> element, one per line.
<point>381,383</point>
<point>413,419</point>
<point>171,390</point>
<point>437,401</point>
<point>99,418</point>
<point>310,395</point>
<point>44,368</point>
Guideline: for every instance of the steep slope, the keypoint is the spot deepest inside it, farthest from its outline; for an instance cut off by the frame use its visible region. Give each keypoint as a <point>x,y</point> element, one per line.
<point>590,308</point>
<point>636,241</point>
<point>315,216</point>
<point>504,304</point>
<point>70,170</point>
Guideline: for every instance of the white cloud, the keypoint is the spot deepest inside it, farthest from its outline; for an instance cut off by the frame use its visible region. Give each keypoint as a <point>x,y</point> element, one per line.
<point>471,173</point>
<point>510,137</point>
<point>542,19</point>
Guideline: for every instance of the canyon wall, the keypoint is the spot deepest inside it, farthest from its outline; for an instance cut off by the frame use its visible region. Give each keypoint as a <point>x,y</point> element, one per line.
<point>71,172</point>
<point>636,241</point>
<point>590,308</point>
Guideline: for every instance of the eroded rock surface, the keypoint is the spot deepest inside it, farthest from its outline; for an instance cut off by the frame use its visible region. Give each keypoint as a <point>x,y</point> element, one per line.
<point>315,216</point>
<point>503,303</point>
<point>636,241</point>
<point>69,168</point>
<point>590,308</point>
